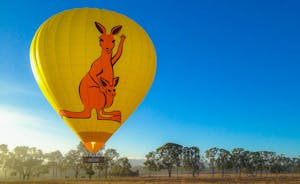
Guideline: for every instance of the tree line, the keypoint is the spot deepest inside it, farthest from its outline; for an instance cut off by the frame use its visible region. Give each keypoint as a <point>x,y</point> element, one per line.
<point>172,156</point>
<point>26,162</point>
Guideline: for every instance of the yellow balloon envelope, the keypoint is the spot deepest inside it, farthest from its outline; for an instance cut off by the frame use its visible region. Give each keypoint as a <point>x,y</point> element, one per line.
<point>94,67</point>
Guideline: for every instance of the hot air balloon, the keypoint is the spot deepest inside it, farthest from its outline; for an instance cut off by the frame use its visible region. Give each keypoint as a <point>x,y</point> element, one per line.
<point>94,67</point>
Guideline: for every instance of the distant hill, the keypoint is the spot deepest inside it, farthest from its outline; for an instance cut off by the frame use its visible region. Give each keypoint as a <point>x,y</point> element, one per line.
<point>137,162</point>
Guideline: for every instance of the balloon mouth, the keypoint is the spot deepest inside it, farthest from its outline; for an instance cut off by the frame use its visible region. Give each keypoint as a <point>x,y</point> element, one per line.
<point>93,146</point>
<point>94,141</point>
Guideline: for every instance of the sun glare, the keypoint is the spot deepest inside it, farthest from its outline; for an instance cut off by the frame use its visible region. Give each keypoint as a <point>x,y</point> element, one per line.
<point>21,129</point>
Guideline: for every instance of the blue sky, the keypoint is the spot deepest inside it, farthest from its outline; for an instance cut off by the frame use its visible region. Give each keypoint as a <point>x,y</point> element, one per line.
<point>227,76</point>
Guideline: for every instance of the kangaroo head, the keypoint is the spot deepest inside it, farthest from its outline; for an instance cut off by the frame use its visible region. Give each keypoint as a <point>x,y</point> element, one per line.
<point>109,89</point>
<point>107,41</point>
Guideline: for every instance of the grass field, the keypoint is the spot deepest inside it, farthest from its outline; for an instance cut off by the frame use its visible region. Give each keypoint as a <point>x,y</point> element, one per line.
<point>203,179</point>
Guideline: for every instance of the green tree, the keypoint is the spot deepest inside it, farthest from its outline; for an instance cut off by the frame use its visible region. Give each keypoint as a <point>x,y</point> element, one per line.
<point>121,167</point>
<point>89,170</point>
<point>265,161</point>
<point>269,157</point>
<point>256,161</point>
<point>223,160</point>
<point>248,162</point>
<point>169,156</point>
<point>151,162</point>
<point>296,164</point>
<point>192,159</point>
<point>280,163</point>
<point>110,157</point>
<point>54,159</point>
<point>40,170</point>
<point>24,160</point>
<point>211,156</point>
<point>99,166</point>
<point>63,166</point>
<point>238,158</point>
<point>74,161</point>
<point>262,161</point>
<point>4,153</point>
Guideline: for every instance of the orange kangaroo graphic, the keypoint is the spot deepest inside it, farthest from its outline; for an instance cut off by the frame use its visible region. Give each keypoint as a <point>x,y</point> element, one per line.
<point>97,88</point>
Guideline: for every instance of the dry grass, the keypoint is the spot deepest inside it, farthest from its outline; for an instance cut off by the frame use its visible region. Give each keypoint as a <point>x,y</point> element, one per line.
<point>202,179</point>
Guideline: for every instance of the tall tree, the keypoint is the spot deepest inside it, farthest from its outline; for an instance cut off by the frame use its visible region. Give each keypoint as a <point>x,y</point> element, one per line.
<point>280,163</point>
<point>238,158</point>
<point>248,162</point>
<point>74,161</point>
<point>224,160</point>
<point>99,166</point>
<point>63,166</point>
<point>255,162</point>
<point>192,159</point>
<point>121,167</point>
<point>262,161</point>
<point>169,156</point>
<point>211,156</point>
<point>151,162</point>
<point>4,153</point>
<point>54,159</point>
<point>24,160</point>
<point>266,161</point>
<point>88,167</point>
<point>110,157</point>
<point>39,170</point>
<point>293,165</point>
<point>296,164</point>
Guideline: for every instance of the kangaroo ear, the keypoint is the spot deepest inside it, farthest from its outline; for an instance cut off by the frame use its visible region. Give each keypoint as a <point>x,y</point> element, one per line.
<point>116,81</point>
<point>100,27</point>
<point>104,82</point>
<point>115,30</point>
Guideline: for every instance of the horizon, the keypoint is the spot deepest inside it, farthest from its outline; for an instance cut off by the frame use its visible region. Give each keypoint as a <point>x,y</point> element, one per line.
<point>227,76</point>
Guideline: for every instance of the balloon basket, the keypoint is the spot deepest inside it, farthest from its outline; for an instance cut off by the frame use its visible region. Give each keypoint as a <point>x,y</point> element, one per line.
<point>93,159</point>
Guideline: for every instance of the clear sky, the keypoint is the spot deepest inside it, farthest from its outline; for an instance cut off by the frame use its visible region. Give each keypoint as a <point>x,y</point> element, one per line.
<point>227,76</point>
